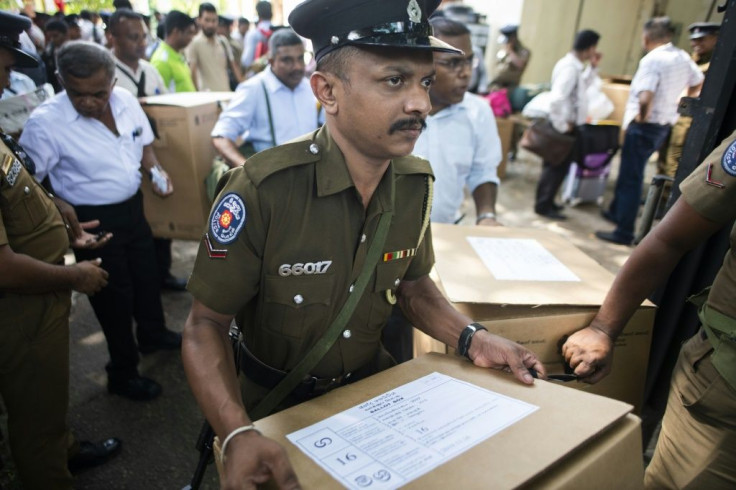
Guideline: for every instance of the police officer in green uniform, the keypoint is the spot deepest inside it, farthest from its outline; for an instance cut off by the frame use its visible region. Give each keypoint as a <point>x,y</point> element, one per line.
<point>291,232</point>
<point>697,444</point>
<point>35,295</point>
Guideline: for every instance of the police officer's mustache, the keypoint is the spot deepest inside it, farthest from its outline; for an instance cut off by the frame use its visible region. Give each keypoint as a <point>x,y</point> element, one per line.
<point>410,123</point>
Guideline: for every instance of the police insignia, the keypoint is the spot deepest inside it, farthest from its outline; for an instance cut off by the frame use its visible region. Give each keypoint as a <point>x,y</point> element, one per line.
<point>728,160</point>
<point>228,218</point>
<point>415,13</point>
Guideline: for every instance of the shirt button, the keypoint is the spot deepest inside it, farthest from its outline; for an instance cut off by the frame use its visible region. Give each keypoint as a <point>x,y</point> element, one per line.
<point>313,149</point>
<point>26,190</point>
<point>397,282</point>
<point>363,238</point>
<point>298,299</point>
<point>51,195</point>
<point>347,334</point>
<point>351,288</point>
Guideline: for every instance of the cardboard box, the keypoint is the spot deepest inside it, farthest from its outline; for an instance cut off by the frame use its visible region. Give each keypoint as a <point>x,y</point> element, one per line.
<point>574,439</point>
<point>537,314</point>
<point>619,95</point>
<point>506,134</point>
<point>184,148</point>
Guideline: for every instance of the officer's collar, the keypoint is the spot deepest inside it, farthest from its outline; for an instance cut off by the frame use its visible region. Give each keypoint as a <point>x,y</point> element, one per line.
<point>332,173</point>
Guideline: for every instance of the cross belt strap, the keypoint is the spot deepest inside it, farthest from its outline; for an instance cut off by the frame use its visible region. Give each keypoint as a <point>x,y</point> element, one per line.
<point>296,375</point>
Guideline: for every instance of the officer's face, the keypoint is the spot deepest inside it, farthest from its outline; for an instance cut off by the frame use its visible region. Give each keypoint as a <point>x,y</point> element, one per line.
<point>704,45</point>
<point>7,60</point>
<point>287,63</point>
<point>381,110</point>
<point>453,73</point>
<point>129,40</point>
<point>90,96</point>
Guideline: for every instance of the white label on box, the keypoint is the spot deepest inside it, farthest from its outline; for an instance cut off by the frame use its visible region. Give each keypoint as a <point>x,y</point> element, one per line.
<point>406,432</point>
<point>520,259</point>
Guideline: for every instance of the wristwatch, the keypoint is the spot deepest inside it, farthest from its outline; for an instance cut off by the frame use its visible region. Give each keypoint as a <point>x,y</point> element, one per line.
<point>466,336</point>
<point>483,216</point>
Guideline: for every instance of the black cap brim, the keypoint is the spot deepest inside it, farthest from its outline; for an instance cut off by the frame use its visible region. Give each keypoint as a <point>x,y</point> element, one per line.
<point>22,59</point>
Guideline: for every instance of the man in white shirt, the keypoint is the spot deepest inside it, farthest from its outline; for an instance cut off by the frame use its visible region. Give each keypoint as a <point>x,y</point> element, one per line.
<point>461,140</point>
<point>568,109</point>
<point>89,144</point>
<point>651,110</point>
<point>128,38</point>
<point>256,39</point>
<point>271,108</point>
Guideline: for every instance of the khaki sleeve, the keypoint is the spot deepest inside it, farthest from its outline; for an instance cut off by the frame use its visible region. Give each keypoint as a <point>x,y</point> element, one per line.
<point>711,188</point>
<point>227,269</point>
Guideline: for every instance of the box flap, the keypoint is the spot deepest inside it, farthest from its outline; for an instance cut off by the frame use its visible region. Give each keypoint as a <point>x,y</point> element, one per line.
<point>187,99</point>
<point>466,278</point>
<point>565,420</point>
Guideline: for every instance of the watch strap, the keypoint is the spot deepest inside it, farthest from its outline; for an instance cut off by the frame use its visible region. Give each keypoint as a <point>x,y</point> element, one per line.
<point>466,336</point>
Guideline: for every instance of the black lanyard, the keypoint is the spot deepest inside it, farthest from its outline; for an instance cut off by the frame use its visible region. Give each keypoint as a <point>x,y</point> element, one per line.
<point>140,85</point>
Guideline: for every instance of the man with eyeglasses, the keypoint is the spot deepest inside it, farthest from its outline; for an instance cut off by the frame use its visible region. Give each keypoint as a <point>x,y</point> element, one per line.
<point>461,143</point>
<point>90,144</point>
<point>271,108</point>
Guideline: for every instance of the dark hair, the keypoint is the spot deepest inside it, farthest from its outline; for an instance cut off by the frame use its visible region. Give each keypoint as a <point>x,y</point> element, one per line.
<point>82,59</point>
<point>337,61</point>
<point>442,26</point>
<point>161,30</point>
<point>243,20</point>
<point>282,37</point>
<point>224,21</point>
<point>585,39</point>
<point>57,26</point>
<point>122,4</point>
<point>659,29</point>
<point>263,9</point>
<point>85,14</point>
<point>118,16</point>
<point>206,7</point>
<point>177,20</point>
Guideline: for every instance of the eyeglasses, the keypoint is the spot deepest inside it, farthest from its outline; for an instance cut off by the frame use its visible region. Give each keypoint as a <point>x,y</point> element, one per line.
<point>458,64</point>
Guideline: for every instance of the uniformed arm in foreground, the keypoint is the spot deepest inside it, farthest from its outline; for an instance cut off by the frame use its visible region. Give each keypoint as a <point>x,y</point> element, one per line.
<point>590,350</point>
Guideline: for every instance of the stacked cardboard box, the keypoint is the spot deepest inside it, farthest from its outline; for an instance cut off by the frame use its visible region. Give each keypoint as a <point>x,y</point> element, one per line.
<point>183,146</point>
<point>538,313</point>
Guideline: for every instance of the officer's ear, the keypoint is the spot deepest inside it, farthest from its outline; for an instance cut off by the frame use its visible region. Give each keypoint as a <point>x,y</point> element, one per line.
<point>326,87</point>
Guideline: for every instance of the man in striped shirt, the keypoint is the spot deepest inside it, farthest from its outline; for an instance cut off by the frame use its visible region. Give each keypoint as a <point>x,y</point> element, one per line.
<point>651,110</point>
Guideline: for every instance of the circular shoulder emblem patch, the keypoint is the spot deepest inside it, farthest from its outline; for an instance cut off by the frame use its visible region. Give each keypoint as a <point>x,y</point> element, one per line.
<point>728,161</point>
<point>228,218</point>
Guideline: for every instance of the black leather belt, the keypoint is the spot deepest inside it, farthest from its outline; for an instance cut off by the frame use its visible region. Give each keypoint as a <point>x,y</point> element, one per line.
<point>268,377</point>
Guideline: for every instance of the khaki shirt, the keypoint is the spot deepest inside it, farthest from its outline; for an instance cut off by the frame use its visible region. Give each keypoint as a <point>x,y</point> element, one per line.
<point>212,57</point>
<point>718,205</point>
<point>300,242</point>
<point>507,73</point>
<point>30,223</point>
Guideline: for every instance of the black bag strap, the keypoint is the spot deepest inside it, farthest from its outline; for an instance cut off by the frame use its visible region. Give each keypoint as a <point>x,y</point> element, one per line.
<point>140,85</point>
<point>324,344</point>
<point>270,116</point>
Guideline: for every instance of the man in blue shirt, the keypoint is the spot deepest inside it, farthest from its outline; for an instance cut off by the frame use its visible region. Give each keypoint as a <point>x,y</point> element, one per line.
<point>273,107</point>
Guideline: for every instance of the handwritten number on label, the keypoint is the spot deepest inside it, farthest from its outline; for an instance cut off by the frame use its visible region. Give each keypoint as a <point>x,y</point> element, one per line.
<point>348,458</point>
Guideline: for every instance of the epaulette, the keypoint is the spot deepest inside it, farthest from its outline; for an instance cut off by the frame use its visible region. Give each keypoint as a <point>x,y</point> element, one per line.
<point>412,165</point>
<point>268,162</point>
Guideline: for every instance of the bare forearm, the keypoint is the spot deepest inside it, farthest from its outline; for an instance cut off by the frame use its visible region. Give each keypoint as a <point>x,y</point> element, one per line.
<point>227,150</point>
<point>429,311</point>
<point>210,368</point>
<point>645,105</point>
<point>485,198</point>
<point>23,274</point>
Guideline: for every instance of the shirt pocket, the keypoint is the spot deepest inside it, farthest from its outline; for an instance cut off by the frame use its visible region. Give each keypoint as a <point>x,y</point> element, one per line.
<point>388,277</point>
<point>27,210</point>
<point>295,306</point>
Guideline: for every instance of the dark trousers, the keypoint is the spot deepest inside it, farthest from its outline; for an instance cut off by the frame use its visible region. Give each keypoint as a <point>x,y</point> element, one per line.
<point>550,181</point>
<point>163,256</point>
<point>640,142</point>
<point>134,287</point>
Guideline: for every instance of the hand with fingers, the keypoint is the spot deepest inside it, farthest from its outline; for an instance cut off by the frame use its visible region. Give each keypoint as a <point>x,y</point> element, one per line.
<point>590,353</point>
<point>91,276</point>
<point>253,460</point>
<point>491,351</point>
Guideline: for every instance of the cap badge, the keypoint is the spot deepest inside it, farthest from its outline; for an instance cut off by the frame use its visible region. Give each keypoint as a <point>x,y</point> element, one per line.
<point>728,161</point>
<point>415,13</point>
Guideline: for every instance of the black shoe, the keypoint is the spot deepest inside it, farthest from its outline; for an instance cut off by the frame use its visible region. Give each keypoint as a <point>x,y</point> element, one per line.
<point>167,340</point>
<point>611,236</point>
<point>608,216</point>
<point>94,453</point>
<point>135,387</point>
<point>174,283</point>
<point>557,207</point>
<point>552,214</point>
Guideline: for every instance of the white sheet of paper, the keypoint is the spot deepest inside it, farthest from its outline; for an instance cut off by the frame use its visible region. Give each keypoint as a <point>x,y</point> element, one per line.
<point>406,432</point>
<point>520,259</point>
